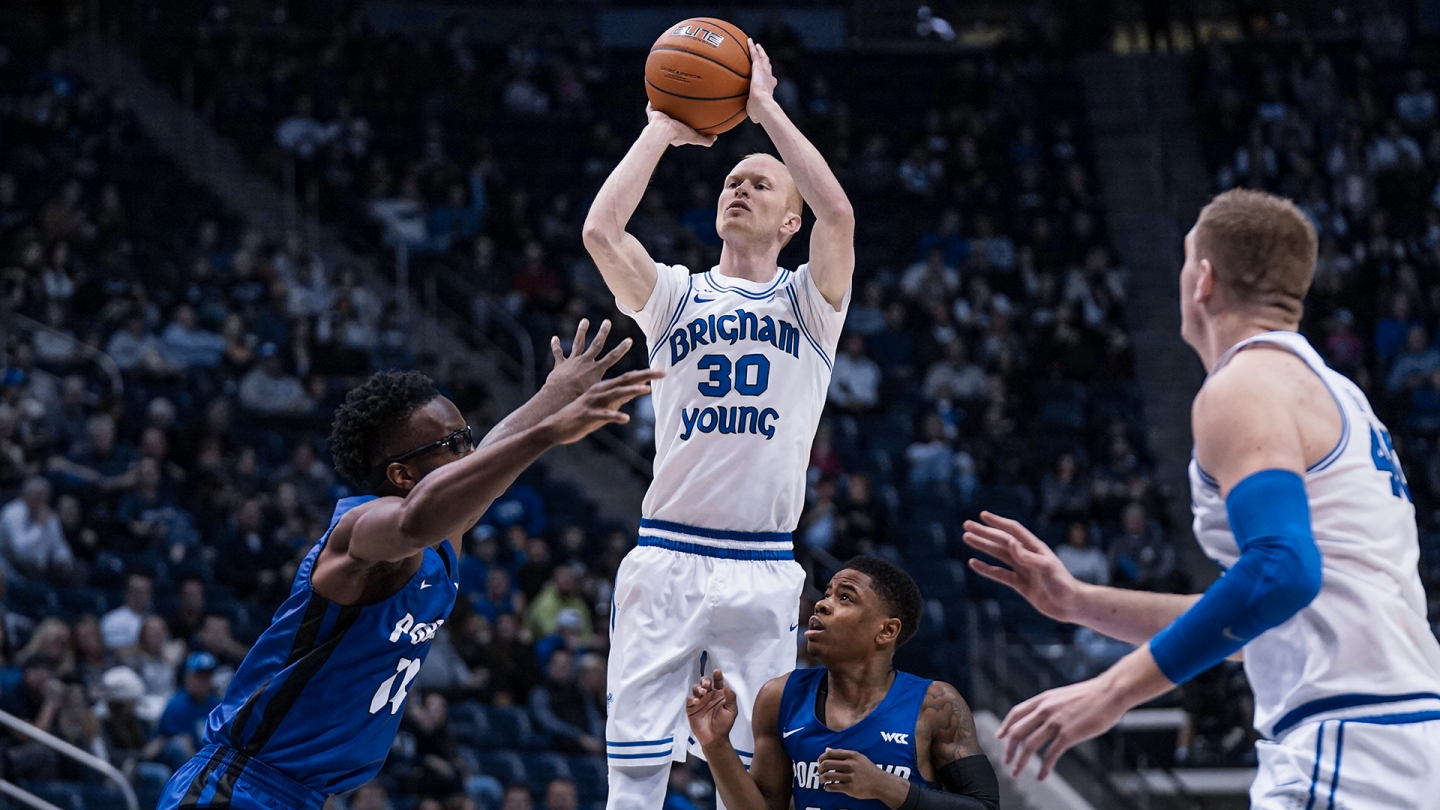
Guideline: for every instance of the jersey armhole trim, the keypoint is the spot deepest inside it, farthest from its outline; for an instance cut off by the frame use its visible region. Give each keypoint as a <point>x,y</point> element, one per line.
<point>674,319</point>
<point>805,330</point>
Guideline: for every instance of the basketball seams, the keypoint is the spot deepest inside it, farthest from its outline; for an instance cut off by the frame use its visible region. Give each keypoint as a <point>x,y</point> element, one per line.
<point>744,76</point>
<point>658,89</point>
<point>710,129</point>
<point>739,37</point>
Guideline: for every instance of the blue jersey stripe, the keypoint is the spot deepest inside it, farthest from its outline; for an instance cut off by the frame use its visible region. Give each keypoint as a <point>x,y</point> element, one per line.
<point>805,330</point>
<point>720,553</point>
<point>714,534</point>
<point>659,755</point>
<point>666,741</point>
<point>1338,702</point>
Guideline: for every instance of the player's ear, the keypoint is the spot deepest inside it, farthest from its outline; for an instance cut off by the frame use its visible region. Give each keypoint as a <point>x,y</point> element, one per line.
<point>400,476</point>
<point>889,632</point>
<point>1205,282</point>
<point>790,226</point>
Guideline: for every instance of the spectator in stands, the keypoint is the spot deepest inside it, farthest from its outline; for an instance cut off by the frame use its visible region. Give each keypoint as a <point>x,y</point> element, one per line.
<point>183,723</point>
<point>500,595</point>
<point>76,723</point>
<point>124,733</point>
<point>121,626</point>
<point>855,381</point>
<point>92,658</point>
<point>250,554</point>
<point>217,638</point>
<point>1064,492</point>
<point>1084,562</point>
<point>560,794</point>
<point>561,593</point>
<point>371,796</point>
<point>52,638</point>
<point>432,770</point>
<point>154,660</point>
<point>187,345</point>
<point>564,711</point>
<point>1141,557</point>
<point>189,612</point>
<point>862,522</point>
<point>36,701</point>
<point>954,378</point>
<point>517,797</point>
<point>135,349</point>
<point>931,459</point>
<point>267,390</point>
<point>1417,361</point>
<point>32,544</point>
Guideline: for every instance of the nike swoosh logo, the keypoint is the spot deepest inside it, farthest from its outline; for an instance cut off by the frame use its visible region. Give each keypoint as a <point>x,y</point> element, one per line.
<point>792,731</point>
<point>793,626</point>
<point>424,585</point>
<point>1227,634</point>
<point>700,300</point>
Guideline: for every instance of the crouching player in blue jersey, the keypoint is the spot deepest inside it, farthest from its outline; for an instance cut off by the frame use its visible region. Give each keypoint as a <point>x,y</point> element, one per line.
<point>853,733</point>
<point>314,707</point>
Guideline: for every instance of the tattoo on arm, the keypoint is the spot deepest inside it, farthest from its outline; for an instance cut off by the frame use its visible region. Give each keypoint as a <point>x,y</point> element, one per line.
<point>952,727</point>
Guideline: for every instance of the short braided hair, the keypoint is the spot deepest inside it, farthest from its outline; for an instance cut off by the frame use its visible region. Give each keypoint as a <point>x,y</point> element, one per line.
<point>371,415</point>
<point>899,592</point>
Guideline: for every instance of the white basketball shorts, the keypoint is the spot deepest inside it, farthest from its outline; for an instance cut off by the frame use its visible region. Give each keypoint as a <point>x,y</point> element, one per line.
<point>677,614</point>
<point>1367,763</point>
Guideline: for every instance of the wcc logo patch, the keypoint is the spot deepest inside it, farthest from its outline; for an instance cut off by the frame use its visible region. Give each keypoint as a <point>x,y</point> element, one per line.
<point>895,737</point>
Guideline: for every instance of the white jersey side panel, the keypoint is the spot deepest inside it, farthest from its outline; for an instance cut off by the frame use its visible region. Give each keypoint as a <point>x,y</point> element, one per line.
<point>747,366</point>
<point>1363,647</point>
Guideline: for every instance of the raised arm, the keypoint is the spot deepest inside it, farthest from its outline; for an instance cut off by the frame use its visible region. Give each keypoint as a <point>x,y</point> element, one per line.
<point>832,240</point>
<point>569,378</point>
<point>627,268</point>
<point>711,709</point>
<point>452,498</point>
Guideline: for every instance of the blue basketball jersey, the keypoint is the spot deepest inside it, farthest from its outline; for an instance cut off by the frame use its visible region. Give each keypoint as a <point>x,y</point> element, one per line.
<point>886,735</point>
<point>319,696</point>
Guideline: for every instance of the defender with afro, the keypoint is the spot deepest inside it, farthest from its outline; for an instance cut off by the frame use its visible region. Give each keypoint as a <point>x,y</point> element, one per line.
<point>853,733</point>
<point>314,707</point>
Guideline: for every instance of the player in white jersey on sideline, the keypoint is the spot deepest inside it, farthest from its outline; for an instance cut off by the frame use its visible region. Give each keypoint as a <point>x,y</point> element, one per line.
<point>747,348</point>
<point>1298,495</point>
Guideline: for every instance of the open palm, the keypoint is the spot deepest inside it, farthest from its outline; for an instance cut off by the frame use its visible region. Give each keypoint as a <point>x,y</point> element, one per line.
<point>1034,571</point>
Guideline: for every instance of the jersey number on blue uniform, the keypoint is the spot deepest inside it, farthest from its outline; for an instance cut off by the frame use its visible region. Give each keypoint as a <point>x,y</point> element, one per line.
<point>1382,450</point>
<point>410,667</point>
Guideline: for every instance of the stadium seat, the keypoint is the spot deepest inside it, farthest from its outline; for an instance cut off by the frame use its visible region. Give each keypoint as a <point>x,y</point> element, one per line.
<point>591,777</point>
<point>543,766</point>
<point>503,765</point>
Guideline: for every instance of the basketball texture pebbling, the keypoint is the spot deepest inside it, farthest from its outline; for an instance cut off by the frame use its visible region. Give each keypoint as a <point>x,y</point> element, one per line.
<point>698,72</point>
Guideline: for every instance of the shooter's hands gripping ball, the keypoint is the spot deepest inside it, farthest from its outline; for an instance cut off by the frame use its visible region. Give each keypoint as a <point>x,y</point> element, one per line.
<point>711,709</point>
<point>762,82</point>
<point>585,366</point>
<point>852,773</point>
<point>677,133</point>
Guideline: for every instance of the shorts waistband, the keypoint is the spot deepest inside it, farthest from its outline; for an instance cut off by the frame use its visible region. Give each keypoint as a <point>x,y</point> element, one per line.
<point>1357,707</point>
<point>240,766</point>
<point>726,544</point>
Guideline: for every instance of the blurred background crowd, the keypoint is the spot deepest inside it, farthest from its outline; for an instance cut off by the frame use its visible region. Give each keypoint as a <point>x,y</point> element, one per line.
<point>170,371</point>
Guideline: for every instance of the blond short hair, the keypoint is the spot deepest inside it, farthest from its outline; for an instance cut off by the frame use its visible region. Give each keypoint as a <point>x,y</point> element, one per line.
<point>794,202</point>
<point>1262,249</point>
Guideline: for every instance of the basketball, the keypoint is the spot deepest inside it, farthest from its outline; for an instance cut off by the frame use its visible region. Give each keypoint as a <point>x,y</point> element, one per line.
<point>698,72</point>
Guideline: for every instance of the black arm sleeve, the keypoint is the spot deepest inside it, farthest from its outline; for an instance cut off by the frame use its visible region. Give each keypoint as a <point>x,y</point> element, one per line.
<point>970,784</point>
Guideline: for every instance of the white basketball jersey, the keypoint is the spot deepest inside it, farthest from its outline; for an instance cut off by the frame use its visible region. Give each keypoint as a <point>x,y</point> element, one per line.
<point>747,366</point>
<point>1363,647</point>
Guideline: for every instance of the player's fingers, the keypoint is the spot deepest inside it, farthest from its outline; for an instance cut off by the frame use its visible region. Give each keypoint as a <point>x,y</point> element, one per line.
<point>1004,576</point>
<point>1022,732</point>
<point>1057,749</point>
<point>581,329</point>
<point>614,355</point>
<point>986,545</point>
<point>718,679</point>
<point>1014,528</point>
<point>599,342</point>
<point>1019,712</point>
<point>994,537</point>
<point>556,350</point>
<point>1032,745</point>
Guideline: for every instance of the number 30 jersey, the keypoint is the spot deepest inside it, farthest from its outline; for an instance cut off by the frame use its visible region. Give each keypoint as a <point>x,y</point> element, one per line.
<point>1363,647</point>
<point>321,694</point>
<point>747,365</point>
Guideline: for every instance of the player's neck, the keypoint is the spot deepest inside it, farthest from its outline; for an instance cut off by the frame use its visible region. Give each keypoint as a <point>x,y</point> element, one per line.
<point>1229,328</point>
<point>751,264</point>
<point>860,685</point>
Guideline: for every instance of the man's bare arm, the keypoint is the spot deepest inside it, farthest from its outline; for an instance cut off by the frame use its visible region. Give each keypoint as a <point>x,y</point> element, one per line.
<point>569,378</point>
<point>832,240</point>
<point>766,785</point>
<point>623,262</point>
<point>451,499</point>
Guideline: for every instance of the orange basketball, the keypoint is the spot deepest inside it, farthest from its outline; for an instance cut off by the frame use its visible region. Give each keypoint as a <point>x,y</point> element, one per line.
<point>698,72</point>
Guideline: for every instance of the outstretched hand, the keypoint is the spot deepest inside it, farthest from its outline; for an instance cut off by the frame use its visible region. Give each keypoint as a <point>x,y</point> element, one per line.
<point>678,132</point>
<point>1034,570</point>
<point>584,366</point>
<point>600,405</point>
<point>711,709</point>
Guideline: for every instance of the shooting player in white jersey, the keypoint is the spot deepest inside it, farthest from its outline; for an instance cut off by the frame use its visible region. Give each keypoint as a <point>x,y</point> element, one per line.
<point>747,348</point>
<point>1298,495</point>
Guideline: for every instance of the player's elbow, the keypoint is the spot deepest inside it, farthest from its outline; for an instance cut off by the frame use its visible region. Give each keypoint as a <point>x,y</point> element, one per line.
<point>597,234</point>
<point>1297,583</point>
<point>837,212</point>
